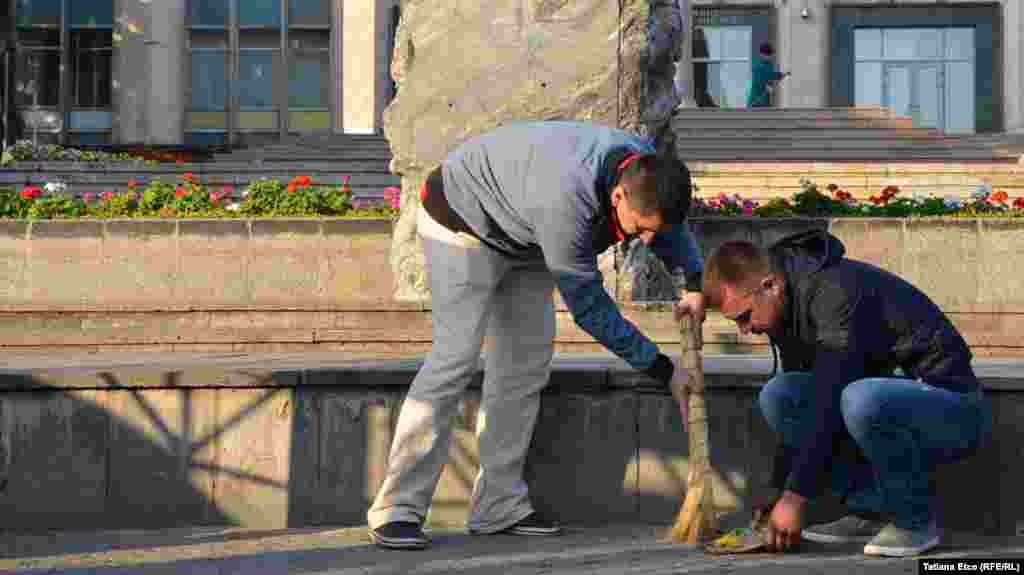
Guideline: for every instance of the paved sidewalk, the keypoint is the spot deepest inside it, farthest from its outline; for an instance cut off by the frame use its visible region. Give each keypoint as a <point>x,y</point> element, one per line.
<point>612,550</point>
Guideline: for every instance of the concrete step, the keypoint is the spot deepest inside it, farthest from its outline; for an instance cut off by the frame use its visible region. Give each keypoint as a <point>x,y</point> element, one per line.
<point>769,132</point>
<point>824,123</point>
<point>823,155</point>
<point>859,113</point>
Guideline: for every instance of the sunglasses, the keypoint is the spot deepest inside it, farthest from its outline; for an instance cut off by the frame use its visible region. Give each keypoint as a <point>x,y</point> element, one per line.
<point>744,317</point>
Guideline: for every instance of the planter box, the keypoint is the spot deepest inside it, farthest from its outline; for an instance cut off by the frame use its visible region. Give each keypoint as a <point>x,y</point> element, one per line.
<point>369,174</point>
<point>327,284</point>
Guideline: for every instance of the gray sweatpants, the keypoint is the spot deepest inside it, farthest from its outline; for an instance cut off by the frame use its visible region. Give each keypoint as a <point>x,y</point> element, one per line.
<point>474,291</point>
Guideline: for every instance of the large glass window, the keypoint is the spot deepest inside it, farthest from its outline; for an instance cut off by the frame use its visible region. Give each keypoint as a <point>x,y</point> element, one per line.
<point>259,13</point>
<point>37,13</point>
<point>315,13</point>
<point>239,71</point>
<point>65,47</point>
<point>721,58</point>
<point>208,13</point>
<point>309,81</point>
<point>91,13</point>
<point>926,74</point>
<point>91,53</point>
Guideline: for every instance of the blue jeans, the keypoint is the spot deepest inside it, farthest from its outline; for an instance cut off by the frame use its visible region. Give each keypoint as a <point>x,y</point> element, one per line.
<point>903,430</point>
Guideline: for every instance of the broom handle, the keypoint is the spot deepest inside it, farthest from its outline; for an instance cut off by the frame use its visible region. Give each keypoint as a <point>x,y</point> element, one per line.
<point>692,361</point>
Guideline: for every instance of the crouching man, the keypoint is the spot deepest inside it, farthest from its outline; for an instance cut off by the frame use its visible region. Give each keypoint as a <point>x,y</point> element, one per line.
<point>844,420</point>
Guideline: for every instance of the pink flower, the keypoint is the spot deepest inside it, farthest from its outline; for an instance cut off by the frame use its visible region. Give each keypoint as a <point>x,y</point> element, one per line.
<point>88,197</point>
<point>748,211</point>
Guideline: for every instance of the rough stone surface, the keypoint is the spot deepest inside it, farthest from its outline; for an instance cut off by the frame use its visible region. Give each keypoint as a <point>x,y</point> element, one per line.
<point>465,68</point>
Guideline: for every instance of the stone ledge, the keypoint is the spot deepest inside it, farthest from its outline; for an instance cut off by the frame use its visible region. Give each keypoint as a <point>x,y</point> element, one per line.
<point>577,373</point>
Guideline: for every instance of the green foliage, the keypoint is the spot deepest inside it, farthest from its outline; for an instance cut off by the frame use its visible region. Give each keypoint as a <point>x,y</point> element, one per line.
<point>156,196</point>
<point>811,201</point>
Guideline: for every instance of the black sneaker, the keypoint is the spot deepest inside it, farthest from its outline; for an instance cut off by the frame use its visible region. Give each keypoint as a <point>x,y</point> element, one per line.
<point>534,524</point>
<point>844,530</point>
<point>399,535</point>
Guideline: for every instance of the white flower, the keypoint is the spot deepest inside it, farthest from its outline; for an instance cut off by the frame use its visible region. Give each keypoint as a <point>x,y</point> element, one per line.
<point>55,187</point>
<point>233,207</point>
<point>245,193</point>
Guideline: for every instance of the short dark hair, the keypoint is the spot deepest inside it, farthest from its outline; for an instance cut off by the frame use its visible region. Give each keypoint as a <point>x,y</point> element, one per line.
<point>659,183</point>
<point>733,263</point>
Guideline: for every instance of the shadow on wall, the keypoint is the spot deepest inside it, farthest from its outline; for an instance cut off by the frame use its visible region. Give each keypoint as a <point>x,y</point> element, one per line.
<point>116,457</point>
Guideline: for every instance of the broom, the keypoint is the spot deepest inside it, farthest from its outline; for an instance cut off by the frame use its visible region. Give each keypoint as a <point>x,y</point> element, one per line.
<point>696,522</point>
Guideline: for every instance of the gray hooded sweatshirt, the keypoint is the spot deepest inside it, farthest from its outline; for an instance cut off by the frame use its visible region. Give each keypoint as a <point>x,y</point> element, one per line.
<point>541,190</point>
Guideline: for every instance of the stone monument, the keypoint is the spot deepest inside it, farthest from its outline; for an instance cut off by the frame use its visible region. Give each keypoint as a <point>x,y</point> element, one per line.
<point>463,68</point>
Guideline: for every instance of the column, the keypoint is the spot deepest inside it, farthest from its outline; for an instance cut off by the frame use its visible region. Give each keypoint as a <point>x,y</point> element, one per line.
<point>684,67</point>
<point>359,63</point>
<point>166,54</point>
<point>804,33</point>
<point>149,71</point>
<point>1013,65</point>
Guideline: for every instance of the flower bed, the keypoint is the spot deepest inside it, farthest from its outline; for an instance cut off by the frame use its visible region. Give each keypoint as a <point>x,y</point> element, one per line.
<point>835,202</point>
<point>189,198</point>
<point>27,151</point>
<point>302,197</point>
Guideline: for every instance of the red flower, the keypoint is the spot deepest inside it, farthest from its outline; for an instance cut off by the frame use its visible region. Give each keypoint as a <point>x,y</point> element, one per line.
<point>1000,197</point>
<point>1018,203</point>
<point>31,192</point>
<point>188,177</point>
<point>180,192</point>
<point>131,184</point>
<point>108,195</point>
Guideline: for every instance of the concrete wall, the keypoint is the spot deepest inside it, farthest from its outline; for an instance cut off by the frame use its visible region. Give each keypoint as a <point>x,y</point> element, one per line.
<point>310,284</point>
<point>147,448</point>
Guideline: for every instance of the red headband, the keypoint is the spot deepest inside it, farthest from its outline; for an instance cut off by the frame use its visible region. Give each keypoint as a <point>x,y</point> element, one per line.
<point>627,161</point>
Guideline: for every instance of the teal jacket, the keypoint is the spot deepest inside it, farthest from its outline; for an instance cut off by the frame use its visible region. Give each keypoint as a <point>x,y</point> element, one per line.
<point>764,73</point>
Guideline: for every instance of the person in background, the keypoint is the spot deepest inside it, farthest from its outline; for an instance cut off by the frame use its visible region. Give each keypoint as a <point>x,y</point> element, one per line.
<point>764,78</point>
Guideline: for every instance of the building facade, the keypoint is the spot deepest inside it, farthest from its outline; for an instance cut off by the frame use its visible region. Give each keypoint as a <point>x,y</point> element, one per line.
<point>245,72</point>
<point>198,72</point>
<point>948,64</point>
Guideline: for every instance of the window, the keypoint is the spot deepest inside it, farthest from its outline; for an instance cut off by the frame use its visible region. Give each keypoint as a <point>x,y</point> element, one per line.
<point>315,13</point>
<point>38,13</point>
<point>259,13</point>
<point>91,52</point>
<point>241,73</point>
<point>309,81</point>
<point>721,58</point>
<point>72,35</point>
<point>91,13</point>
<point>926,74</point>
<point>212,13</point>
